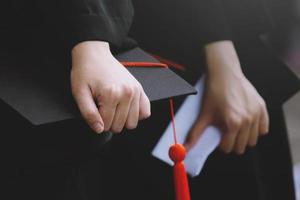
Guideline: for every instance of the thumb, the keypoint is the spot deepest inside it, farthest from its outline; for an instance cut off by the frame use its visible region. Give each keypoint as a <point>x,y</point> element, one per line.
<point>196,131</point>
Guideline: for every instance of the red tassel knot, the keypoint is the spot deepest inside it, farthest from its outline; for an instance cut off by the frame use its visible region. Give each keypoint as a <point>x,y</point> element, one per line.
<point>177,153</point>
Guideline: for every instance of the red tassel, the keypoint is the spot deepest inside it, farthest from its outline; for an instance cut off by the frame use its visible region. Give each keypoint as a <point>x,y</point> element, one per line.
<point>177,154</point>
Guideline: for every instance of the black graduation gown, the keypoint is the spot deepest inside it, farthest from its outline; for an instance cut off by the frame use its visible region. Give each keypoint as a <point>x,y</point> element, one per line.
<point>127,170</point>
<point>174,31</point>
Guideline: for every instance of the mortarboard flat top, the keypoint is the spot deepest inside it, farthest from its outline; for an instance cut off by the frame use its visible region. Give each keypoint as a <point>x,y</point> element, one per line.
<point>36,96</point>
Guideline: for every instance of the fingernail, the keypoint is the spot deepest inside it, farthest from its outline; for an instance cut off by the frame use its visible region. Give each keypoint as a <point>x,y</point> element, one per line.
<point>97,127</point>
<point>266,132</point>
<point>227,151</point>
<point>240,152</point>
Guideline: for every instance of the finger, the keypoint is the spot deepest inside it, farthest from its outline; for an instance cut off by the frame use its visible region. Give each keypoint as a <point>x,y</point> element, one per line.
<point>133,114</point>
<point>264,121</point>
<point>121,114</point>
<point>89,110</point>
<point>228,141</point>
<point>242,139</point>
<point>196,131</point>
<point>254,132</point>
<point>107,108</point>
<point>145,106</point>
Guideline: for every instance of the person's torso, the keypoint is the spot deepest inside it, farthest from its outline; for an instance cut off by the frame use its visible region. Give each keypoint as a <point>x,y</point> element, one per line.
<point>23,22</point>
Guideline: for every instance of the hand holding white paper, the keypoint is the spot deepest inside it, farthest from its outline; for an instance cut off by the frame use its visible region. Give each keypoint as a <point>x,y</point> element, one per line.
<point>184,120</point>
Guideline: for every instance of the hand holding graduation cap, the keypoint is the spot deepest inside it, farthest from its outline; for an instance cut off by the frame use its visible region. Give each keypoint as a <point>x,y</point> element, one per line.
<point>108,96</point>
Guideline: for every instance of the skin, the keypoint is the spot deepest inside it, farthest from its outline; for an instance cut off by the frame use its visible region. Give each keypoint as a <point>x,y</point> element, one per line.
<point>107,95</point>
<point>230,102</point>
<point>115,100</point>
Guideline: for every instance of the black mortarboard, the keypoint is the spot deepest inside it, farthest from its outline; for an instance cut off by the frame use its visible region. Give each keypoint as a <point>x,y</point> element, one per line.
<point>39,92</point>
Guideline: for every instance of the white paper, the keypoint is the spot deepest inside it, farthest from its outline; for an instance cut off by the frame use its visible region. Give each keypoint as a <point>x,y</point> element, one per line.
<point>297,180</point>
<point>184,119</point>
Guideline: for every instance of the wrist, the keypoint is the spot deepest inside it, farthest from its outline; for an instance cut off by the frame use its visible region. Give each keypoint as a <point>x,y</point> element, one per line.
<point>222,58</point>
<point>89,52</point>
<point>91,47</point>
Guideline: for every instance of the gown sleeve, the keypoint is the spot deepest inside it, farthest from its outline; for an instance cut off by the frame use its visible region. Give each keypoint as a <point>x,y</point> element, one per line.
<point>199,21</point>
<point>80,20</point>
<point>204,20</point>
<point>210,20</point>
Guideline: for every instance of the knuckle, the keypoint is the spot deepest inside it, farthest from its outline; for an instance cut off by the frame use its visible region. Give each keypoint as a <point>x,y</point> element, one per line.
<point>247,119</point>
<point>234,123</point>
<point>101,98</point>
<point>107,90</point>
<point>128,91</point>
<point>257,108</point>
<point>139,86</point>
<point>111,93</point>
<point>147,101</point>
<point>111,90</point>
<point>262,104</point>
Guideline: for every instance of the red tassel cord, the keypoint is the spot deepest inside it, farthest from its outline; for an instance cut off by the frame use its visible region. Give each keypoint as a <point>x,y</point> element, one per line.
<point>177,154</point>
<point>144,64</point>
<point>177,151</point>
